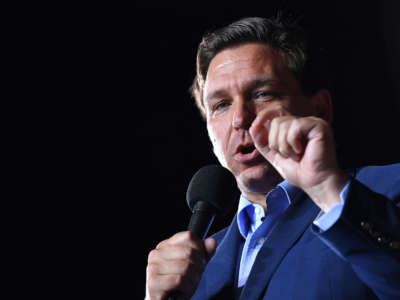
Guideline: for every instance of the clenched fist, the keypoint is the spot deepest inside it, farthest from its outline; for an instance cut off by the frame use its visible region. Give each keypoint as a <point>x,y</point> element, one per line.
<point>177,264</point>
<point>302,150</point>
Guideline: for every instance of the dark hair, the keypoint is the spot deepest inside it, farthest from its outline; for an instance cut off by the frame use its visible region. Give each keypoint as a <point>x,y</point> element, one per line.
<point>284,35</point>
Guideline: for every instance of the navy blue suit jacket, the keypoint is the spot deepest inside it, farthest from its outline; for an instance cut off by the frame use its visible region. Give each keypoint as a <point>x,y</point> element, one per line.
<point>357,258</point>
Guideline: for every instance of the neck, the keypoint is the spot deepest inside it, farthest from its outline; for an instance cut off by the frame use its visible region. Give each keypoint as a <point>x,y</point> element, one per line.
<point>257,198</point>
<point>256,191</point>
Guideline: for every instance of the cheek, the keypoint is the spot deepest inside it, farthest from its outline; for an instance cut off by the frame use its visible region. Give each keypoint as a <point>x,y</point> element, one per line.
<point>218,138</point>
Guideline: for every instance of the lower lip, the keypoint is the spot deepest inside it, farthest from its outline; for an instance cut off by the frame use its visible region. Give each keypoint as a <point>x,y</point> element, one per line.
<point>248,157</point>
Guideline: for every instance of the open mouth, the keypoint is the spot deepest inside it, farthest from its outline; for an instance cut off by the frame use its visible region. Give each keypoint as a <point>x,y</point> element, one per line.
<point>247,149</point>
<point>248,154</point>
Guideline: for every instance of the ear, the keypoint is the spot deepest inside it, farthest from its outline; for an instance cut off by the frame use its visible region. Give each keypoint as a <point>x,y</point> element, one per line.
<point>322,105</point>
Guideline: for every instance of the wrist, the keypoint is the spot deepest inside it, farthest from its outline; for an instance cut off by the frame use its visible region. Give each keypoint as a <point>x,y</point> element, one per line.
<point>326,194</point>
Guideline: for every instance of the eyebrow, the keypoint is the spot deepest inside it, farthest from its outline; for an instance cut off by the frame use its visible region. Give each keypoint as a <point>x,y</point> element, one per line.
<point>254,84</point>
<point>251,85</point>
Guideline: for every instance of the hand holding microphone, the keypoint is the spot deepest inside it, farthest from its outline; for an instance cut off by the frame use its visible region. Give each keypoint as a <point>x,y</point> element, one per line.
<point>176,265</point>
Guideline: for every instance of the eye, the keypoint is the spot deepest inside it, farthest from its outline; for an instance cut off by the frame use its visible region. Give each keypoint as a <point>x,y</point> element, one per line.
<point>220,105</point>
<point>266,95</point>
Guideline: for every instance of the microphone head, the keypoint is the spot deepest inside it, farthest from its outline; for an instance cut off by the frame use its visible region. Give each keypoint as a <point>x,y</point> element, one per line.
<point>213,184</point>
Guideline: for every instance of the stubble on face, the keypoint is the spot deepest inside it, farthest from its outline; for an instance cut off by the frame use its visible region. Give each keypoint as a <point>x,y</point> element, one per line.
<point>230,72</point>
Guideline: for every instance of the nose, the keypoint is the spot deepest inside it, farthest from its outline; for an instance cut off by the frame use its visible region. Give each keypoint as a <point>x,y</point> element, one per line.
<point>243,116</point>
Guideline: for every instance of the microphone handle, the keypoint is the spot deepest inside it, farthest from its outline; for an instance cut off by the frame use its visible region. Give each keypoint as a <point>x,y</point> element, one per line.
<point>200,222</point>
<point>202,218</point>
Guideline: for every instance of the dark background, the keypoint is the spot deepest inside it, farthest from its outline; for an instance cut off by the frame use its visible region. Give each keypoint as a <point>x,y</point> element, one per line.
<point>363,40</point>
<point>123,137</point>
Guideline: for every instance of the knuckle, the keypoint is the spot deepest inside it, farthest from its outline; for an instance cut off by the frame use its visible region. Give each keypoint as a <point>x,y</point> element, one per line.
<point>152,255</point>
<point>186,252</point>
<point>283,147</point>
<point>286,123</point>
<point>161,244</point>
<point>192,237</point>
<point>324,124</point>
<point>293,135</point>
<point>318,120</point>
<point>191,240</point>
<point>186,237</point>
<point>152,281</point>
<point>151,270</point>
<point>310,118</point>
<point>282,137</point>
<point>274,122</point>
<point>296,123</point>
<point>282,141</point>
<point>283,151</point>
<point>273,146</point>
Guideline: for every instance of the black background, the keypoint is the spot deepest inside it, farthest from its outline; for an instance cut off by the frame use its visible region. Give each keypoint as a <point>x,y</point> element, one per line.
<point>364,46</point>
<point>124,138</point>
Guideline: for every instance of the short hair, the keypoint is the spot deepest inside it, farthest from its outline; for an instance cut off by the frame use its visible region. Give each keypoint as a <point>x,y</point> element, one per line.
<point>307,63</point>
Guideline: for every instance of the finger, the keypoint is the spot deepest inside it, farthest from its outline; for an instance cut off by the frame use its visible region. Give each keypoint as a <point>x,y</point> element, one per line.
<point>186,238</point>
<point>274,132</point>
<point>176,264</point>
<point>273,135</point>
<point>295,137</point>
<point>260,127</point>
<point>168,275</point>
<point>210,246</point>
<point>172,253</point>
<point>283,145</point>
<point>259,134</point>
<point>269,114</point>
<point>160,286</point>
<point>279,162</point>
<point>180,266</point>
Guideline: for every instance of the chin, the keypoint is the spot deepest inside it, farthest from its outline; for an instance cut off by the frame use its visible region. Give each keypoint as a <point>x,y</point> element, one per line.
<point>260,178</point>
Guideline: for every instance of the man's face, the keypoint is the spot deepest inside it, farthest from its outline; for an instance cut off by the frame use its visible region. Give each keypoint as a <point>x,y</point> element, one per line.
<point>240,83</point>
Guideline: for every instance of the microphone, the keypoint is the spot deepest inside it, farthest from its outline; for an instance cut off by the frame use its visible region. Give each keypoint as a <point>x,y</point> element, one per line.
<point>211,191</point>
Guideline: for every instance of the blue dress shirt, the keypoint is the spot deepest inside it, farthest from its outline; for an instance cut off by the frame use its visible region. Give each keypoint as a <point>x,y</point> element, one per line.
<point>254,225</point>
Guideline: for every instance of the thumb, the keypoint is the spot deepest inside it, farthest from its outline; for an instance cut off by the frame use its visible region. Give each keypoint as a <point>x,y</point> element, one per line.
<point>210,246</point>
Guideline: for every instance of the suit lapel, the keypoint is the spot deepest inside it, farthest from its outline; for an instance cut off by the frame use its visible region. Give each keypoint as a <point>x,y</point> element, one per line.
<point>220,272</point>
<point>295,220</point>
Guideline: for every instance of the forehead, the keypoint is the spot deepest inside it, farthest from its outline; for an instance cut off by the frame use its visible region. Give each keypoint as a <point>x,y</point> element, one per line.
<point>244,63</point>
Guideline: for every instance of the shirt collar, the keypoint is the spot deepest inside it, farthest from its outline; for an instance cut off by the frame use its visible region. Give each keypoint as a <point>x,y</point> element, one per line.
<point>290,190</point>
<point>246,218</point>
<point>243,216</point>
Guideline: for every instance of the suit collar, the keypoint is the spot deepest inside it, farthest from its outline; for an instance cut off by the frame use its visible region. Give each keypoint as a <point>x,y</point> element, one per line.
<point>295,220</point>
<point>220,272</point>
<point>245,217</point>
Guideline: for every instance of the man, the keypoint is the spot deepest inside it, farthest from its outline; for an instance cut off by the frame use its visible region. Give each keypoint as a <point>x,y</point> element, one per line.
<point>305,229</point>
